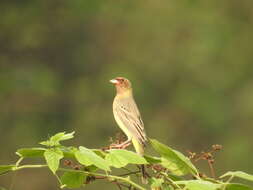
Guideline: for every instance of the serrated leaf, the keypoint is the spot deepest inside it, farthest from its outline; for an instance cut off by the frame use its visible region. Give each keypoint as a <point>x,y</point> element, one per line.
<point>238,174</point>
<point>120,158</point>
<point>6,168</point>
<point>55,140</point>
<point>199,185</point>
<point>73,179</point>
<point>31,152</point>
<point>87,157</point>
<point>53,157</point>
<point>237,186</point>
<point>173,160</point>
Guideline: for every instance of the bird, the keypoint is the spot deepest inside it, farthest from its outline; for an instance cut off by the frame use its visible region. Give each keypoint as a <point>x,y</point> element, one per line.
<point>128,118</point>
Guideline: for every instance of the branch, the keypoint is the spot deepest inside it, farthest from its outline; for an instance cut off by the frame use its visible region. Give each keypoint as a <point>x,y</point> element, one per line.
<point>126,180</point>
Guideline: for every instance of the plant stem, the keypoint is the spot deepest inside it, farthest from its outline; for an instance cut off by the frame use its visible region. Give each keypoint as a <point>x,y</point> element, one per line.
<point>170,181</point>
<point>227,182</point>
<point>130,173</point>
<point>126,180</point>
<point>211,169</point>
<point>18,162</point>
<point>29,166</point>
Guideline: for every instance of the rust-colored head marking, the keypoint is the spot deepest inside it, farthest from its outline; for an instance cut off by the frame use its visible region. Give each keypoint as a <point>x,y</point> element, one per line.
<point>122,84</point>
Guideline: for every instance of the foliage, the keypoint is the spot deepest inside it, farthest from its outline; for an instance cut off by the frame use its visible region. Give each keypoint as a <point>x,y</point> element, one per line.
<point>190,63</point>
<point>83,166</point>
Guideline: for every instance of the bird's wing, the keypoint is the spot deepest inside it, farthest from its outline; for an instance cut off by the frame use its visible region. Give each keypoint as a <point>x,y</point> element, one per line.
<point>128,113</point>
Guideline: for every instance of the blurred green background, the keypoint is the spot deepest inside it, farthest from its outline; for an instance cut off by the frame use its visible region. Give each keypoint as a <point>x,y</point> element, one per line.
<point>190,63</point>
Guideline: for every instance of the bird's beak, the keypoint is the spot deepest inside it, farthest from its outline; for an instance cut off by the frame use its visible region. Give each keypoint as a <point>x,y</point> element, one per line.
<point>114,81</point>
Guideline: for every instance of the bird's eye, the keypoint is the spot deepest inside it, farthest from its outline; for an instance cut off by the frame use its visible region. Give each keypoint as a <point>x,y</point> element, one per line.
<point>120,80</point>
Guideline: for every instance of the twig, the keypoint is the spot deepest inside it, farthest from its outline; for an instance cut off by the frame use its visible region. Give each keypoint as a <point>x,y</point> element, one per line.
<point>210,164</point>
<point>130,173</point>
<point>227,182</point>
<point>118,185</point>
<point>19,161</point>
<point>208,156</point>
<point>126,180</point>
<point>100,177</point>
<point>176,186</point>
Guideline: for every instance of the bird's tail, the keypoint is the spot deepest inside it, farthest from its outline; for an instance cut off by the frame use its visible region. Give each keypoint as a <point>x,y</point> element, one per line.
<point>140,150</point>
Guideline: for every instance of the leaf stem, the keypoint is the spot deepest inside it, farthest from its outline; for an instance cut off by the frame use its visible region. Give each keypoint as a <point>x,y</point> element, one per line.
<point>29,166</point>
<point>227,182</point>
<point>127,180</point>
<point>123,179</point>
<point>18,162</point>
<point>170,181</point>
<point>59,180</point>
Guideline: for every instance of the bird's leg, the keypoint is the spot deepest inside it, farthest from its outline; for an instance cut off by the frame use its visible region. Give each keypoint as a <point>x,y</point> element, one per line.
<point>126,144</point>
<point>122,145</point>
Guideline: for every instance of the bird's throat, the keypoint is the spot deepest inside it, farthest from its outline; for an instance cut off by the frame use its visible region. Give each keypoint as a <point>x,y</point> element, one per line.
<point>123,92</point>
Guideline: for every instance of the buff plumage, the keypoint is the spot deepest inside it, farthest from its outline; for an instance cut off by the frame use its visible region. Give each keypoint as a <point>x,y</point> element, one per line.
<point>127,115</point>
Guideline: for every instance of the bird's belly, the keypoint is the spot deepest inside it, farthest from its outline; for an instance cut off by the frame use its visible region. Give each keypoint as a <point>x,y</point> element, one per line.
<point>123,127</point>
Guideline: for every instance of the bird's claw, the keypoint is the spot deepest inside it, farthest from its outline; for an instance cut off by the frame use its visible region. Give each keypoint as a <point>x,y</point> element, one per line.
<point>119,146</point>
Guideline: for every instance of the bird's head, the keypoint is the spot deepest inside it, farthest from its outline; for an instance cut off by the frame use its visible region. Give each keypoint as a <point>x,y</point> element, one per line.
<point>122,84</point>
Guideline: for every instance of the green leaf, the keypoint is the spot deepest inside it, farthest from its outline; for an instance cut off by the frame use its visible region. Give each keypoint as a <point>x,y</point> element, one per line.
<point>91,168</point>
<point>120,158</point>
<point>31,152</point>
<point>167,187</point>
<point>87,157</point>
<point>173,160</point>
<point>53,157</point>
<point>47,143</point>
<point>174,177</point>
<point>237,186</point>
<point>239,174</point>
<point>199,185</point>
<point>55,140</point>
<point>73,179</point>
<point>152,159</point>
<point>69,152</point>
<point>156,182</point>
<point>62,136</point>
<point>6,168</point>
<point>82,158</point>
<point>99,152</point>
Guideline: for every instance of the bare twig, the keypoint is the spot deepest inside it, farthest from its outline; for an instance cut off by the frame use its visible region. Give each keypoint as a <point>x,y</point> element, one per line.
<point>210,164</point>
<point>117,184</point>
<point>208,156</point>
